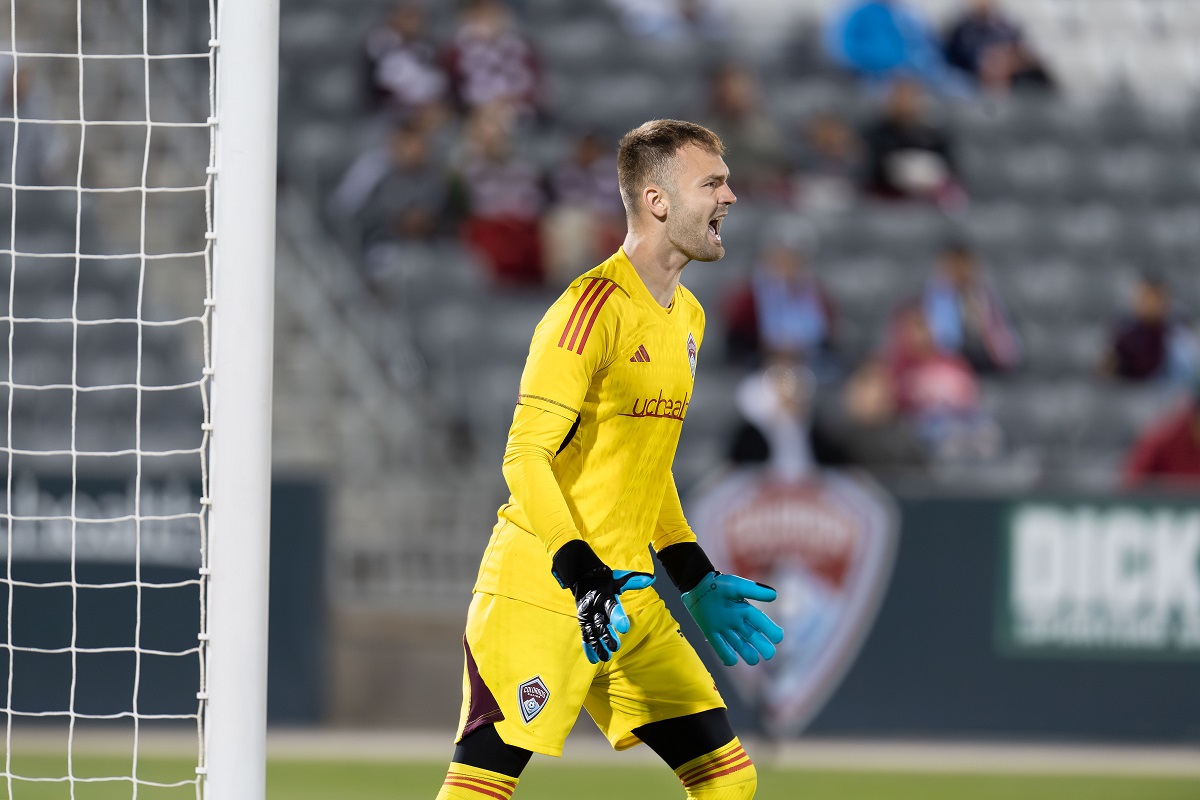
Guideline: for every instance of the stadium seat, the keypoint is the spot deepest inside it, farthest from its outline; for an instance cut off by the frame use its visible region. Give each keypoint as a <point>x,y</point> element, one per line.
<point>868,288</point>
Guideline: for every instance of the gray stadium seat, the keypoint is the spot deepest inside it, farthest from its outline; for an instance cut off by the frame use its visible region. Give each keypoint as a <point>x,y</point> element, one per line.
<point>868,288</point>
<point>1048,289</point>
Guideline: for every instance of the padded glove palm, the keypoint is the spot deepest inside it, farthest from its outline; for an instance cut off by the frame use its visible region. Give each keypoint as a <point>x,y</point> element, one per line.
<point>732,626</point>
<point>598,608</point>
<point>597,590</point>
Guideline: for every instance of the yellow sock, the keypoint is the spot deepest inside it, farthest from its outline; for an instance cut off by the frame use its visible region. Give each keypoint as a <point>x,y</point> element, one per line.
<point>464,782</point>
<point>724,774</point>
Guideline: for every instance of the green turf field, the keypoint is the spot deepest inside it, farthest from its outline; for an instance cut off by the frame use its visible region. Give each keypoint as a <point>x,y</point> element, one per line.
<point>327,780</point>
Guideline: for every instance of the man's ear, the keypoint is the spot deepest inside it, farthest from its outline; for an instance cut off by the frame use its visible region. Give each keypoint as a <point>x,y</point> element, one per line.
<point>656,201</point>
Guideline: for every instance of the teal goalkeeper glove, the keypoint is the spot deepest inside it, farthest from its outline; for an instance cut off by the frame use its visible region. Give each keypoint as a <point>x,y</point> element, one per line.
<point>718,604</point>
<point>732,626</point>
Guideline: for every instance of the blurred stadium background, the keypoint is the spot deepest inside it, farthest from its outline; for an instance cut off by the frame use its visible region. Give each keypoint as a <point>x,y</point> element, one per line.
<point>963,262</point>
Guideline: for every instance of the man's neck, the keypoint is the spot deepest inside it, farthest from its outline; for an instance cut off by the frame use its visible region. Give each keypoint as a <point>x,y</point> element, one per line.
<point>657,263</point>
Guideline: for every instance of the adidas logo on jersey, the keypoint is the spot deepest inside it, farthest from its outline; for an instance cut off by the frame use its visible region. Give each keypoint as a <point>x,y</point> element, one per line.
<point>641,354</point>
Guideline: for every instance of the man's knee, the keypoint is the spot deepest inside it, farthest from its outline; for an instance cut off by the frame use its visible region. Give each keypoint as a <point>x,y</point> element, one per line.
<point>485,749</point>
<point>484,768</point>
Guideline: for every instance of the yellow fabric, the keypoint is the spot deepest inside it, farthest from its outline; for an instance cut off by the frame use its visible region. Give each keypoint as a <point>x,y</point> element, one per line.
<point>655,675</point>
<point>672,527</point>
<point>726,773</point>
<point>606,353</point>
<point>464,782</point>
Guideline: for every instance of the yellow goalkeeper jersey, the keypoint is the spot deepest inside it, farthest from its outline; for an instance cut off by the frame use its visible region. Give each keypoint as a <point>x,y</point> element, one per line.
<point>603,396</point>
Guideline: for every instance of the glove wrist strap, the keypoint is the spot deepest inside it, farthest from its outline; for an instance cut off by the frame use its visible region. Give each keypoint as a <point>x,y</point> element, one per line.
<point>686,564</point>
<point>574,560</point>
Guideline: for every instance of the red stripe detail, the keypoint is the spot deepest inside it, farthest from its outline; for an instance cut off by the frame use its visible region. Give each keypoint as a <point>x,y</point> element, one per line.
<point>634,358</point>
<point>562,339</point>
<point>645,355</point>
<point>715,775</point>
<point>464,785</point>
<point>579,324</point>
<point>595,314</point>
<point>701,774</point>
<point>491,783</point>
<point>723,761</point>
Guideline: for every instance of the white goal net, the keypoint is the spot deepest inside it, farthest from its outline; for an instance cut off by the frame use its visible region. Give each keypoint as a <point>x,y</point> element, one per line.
<point>109,157</point>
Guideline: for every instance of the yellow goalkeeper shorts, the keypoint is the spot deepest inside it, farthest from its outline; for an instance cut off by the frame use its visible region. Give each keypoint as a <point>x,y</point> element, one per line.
<point>526,673</point>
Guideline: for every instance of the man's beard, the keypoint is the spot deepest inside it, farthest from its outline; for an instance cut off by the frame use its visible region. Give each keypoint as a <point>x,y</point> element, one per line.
<point>693,241</point>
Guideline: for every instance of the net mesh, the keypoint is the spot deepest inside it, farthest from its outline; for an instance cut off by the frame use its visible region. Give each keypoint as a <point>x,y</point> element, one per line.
<point>107,118</point>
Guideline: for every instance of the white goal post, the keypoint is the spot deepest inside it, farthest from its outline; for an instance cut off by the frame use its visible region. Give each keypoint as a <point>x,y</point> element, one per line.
<point>243,320</point>
<point>137,249</point>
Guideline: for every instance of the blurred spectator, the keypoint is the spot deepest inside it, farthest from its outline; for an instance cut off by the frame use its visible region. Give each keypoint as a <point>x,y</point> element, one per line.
<point>966,315</point>
<point>990,47</point>
<point>1169,452</point>
<point>884,39</point>
<point>828,164</point>
<point>778,425</point>
<point>1013,67</point>
<point>503,198</point>
<point>490,61</point>
<point>753,139</point>
<point>908,155</point>
<point>404,73</point>
<point>673,20</point>
<point>934,391</point>
<point>784,311</point>
<point>1148,344</point>
<point>395,192</point>
<point>587,221</point>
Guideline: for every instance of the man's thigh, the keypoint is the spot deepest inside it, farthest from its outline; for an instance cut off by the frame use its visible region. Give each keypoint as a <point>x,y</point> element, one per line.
<point>525,673</point>
<point>656,675</point>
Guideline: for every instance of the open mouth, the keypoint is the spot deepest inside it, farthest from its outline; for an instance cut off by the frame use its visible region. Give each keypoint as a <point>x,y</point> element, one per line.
<point>714,229</point>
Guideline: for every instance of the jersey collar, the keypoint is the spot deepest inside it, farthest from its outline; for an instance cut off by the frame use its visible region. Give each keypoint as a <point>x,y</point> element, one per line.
<point>628,277</point>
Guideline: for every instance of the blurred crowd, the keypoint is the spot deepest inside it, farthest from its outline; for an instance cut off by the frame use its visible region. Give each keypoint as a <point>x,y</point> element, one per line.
<point>916,401</point>
<point>459,110</point>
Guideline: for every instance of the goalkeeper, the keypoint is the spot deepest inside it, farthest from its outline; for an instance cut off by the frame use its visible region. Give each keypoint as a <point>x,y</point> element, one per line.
<point>563,615</point>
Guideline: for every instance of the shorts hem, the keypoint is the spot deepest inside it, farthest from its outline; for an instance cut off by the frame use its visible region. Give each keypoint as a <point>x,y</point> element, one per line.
<point>528,744</point>
<point>624,738</point>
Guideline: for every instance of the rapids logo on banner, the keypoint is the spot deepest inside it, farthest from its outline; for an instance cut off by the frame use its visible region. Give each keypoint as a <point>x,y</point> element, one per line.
<point>827,543</point>
<point>1102,578</point>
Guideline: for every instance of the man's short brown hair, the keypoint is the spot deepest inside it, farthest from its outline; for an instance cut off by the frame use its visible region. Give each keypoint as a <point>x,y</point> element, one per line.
<point>645,152</point>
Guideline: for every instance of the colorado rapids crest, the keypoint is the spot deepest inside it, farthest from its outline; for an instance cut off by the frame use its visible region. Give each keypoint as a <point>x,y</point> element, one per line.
<point>532,696</point>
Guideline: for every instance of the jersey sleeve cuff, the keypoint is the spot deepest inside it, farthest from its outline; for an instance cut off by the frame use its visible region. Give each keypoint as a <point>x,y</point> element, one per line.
<point>557,540</point>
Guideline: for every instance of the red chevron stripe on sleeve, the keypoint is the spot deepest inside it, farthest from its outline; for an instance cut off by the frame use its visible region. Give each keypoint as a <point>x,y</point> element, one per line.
<point>592,320</point>
<point>596,283</point>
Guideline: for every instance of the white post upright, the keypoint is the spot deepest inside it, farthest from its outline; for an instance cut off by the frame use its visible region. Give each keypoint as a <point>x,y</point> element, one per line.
<point>240,486</point>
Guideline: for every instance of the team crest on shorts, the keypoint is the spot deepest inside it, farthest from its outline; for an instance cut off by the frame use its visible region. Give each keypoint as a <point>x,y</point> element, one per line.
<point>692,353</point>
<point>532,696</point>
